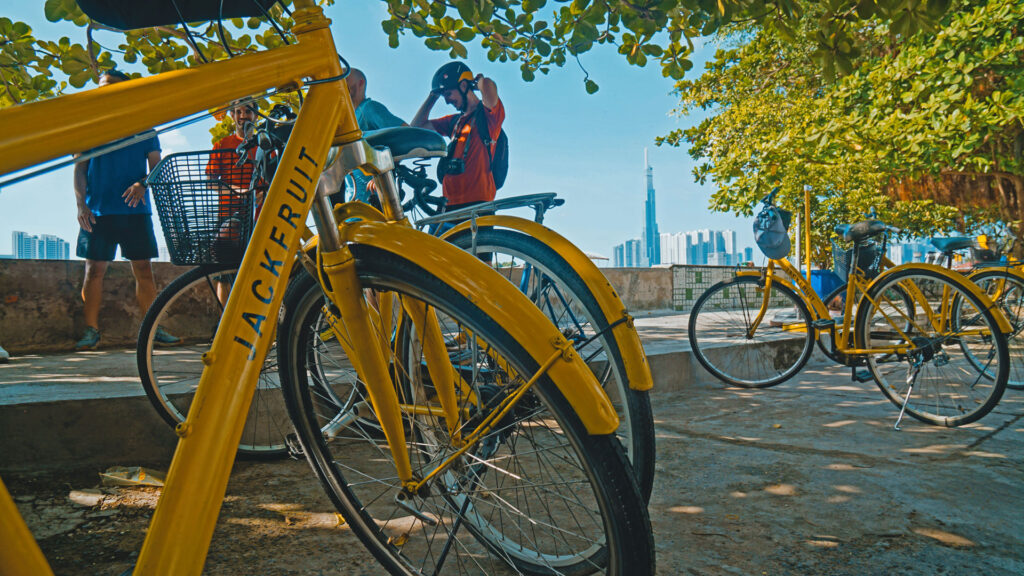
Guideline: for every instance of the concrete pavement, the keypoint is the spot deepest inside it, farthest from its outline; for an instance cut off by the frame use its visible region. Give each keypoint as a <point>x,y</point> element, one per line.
<point>805,478</point>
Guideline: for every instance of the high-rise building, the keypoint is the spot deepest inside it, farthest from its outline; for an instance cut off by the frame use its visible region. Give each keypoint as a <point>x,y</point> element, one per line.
<point>45,247</point>
<point>651,237</point>
<point>24,246</point>
<point>53,248</point>
<point>629,254</point>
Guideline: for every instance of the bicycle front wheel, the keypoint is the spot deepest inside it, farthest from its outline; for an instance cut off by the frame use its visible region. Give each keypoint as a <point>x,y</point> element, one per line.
<point>953,362</point>
<point>559,291</point>
<point>535,495</point>
<point>1006,289</point>
<point>189,309</point>
<point>726,341</point>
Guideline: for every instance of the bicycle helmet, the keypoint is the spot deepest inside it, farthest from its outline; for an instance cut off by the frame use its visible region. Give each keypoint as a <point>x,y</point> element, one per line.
<point>448,77</point>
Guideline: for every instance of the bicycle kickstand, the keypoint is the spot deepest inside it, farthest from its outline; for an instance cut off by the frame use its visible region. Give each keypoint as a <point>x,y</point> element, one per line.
<point>912,373</point>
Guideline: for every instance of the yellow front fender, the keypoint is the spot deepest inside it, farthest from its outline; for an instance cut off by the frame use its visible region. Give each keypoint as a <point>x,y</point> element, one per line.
<point>501,301</point>
<point>638,371</point>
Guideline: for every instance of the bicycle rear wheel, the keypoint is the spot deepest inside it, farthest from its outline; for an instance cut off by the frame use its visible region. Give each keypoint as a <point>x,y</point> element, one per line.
<point>720,336</point>
<point>1006,289</point>
<point>955,360</point>
<point>189,309</point>
<point>536,495</point>
<point>559,291</point>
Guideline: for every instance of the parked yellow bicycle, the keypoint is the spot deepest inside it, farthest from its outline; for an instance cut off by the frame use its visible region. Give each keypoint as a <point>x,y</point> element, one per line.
<point>933,342</point>
<point>1002,282</point>
<point>528,478</point>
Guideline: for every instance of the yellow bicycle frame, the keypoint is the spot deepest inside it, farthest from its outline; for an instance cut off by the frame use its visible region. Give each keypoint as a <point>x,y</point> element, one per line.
<point>179,535</point>
<point>819,311</point>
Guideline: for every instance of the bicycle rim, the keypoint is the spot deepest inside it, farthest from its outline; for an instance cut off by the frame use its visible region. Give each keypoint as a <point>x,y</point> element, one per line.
<point>721,337</point>
<point>189,309</point>
<point>1007,291</point>
<point>954,361</point>
<point>536,495</point>
<point>554,287</point>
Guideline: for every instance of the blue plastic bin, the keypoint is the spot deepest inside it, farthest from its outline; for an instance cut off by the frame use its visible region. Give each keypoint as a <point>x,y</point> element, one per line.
<point>824,282</point>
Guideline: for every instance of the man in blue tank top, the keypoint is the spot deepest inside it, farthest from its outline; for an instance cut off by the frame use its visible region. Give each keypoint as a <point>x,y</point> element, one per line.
<point>113,210</point>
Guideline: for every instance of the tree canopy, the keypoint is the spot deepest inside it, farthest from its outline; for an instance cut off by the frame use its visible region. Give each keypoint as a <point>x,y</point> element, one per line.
<point>536,34</point>
<point>926,127</point>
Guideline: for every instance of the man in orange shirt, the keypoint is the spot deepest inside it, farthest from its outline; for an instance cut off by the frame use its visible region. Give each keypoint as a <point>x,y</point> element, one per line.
<point>234,180</point>
<point>467,179</point>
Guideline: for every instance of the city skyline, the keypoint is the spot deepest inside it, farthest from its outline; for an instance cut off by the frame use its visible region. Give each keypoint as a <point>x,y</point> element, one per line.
<point>25,246</point>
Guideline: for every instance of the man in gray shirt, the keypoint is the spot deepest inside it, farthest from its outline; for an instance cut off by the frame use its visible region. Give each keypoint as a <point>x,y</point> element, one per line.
<point>371,115</point>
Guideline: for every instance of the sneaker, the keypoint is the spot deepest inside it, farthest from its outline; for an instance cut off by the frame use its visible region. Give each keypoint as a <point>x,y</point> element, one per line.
<point>90,340</point>
<point>5,357</point>
<point>165,338</point>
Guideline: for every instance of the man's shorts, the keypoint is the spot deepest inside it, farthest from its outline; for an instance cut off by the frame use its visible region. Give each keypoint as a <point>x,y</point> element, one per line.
<point>132,232</point>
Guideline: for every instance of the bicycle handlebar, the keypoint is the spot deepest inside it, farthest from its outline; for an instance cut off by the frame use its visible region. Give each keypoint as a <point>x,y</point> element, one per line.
<point>422,185</point>
<point>769,200</point>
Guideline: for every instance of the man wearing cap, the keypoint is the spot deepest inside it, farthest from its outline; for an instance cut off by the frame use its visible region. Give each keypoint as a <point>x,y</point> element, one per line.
<point>467,177</point>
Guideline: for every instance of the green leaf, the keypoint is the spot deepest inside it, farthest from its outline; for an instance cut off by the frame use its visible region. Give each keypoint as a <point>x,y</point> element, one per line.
<point>590,86</point>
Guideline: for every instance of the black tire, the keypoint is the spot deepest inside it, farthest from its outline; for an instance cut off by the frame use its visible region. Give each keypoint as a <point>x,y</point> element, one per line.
<point>189,309</point>
<point>779,348</point>
<point>950,389</point>
<point>1009,297</point>
<point>357,471</point>
<point>560,292</point>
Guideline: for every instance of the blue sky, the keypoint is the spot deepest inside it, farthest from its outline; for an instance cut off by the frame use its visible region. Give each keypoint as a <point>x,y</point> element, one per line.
<point>587,148</point>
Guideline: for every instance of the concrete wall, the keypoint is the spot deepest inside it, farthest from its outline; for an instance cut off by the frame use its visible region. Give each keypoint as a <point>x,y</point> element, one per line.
<point>642,288</point>
<point>41,306</point>
<point>41,303</point>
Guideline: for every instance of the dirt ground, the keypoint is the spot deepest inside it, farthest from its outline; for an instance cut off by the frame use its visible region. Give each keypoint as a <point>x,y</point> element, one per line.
<point>805,478</point>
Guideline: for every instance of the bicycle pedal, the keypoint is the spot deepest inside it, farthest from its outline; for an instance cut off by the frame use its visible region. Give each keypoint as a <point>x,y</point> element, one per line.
<point>295,451</point>
<point>823,323</point>
<point>861,375</point>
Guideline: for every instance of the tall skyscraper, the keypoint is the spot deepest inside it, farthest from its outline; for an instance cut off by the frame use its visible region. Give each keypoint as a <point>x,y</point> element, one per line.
<point>651,238</point>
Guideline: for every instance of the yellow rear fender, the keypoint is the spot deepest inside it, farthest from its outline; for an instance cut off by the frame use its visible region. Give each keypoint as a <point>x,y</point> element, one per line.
<point>500,300</point>
<point>1004,324</point>
<point>638,371</point>
<point>1008,270</point>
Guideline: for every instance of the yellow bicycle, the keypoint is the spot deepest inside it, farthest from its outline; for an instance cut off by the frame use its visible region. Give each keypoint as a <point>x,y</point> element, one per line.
<point>507,459</point>
<point>934,343</point>
<point>1002,282</point>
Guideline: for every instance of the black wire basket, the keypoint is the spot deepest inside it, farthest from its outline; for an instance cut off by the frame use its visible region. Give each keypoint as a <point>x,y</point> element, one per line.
<point>205,207</point>
<point>868,261</point>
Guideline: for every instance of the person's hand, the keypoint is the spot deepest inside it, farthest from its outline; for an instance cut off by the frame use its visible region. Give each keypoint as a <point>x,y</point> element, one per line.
<point>135,195</point>
<point>85,218</point>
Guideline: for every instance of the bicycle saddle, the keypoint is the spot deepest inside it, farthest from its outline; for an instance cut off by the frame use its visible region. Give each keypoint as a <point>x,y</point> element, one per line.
<point>947,245</point>
<point>861,230</point>
<point>408,142</point>
<point>129,15</point>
